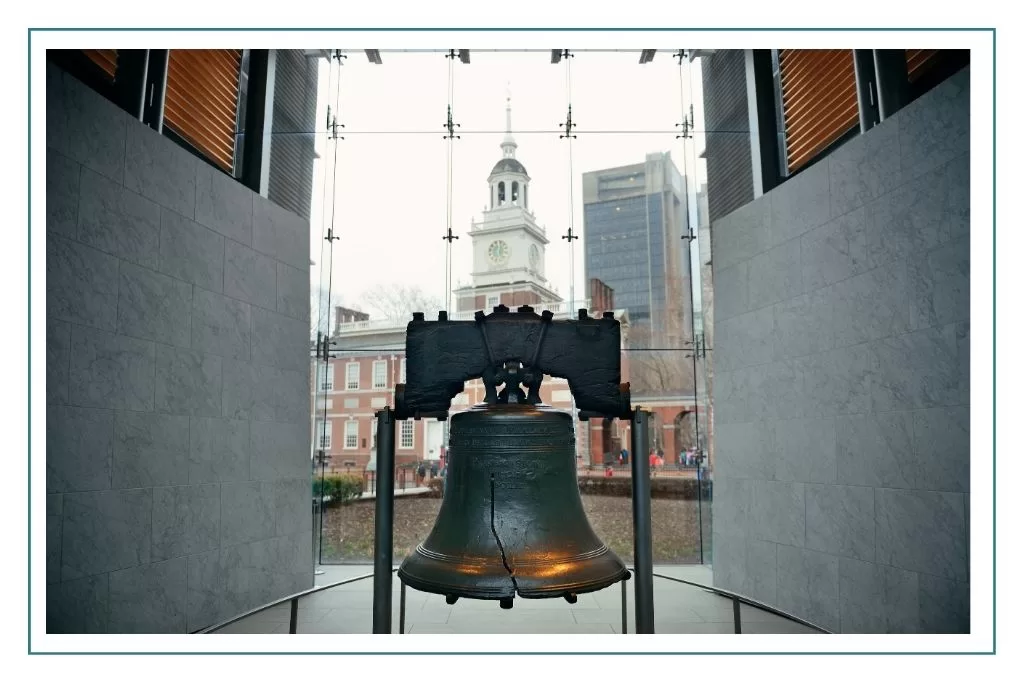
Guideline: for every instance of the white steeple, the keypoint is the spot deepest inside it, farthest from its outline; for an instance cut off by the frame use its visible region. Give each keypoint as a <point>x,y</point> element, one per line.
<point>508,144</point>
<point>508,244</point>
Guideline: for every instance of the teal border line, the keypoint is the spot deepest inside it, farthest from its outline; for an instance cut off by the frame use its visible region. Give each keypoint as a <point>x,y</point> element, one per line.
<point>995,148</point>
<point>28,598</point>
<point>511,29</point>
<point>514,30</point>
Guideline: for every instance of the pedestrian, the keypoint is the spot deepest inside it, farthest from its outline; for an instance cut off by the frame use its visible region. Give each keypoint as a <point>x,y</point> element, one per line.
<point>608,471</point>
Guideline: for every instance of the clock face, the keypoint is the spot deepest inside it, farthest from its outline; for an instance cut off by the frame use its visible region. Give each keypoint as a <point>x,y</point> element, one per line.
<point>534,255</point>
<point>498,252</point>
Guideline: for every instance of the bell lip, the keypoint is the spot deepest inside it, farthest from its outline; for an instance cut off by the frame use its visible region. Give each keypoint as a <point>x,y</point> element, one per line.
<point>437,588</point>
<point>557,591</point>
<point>484,593</point>
<point>511,590</point>
<point>517,560</point>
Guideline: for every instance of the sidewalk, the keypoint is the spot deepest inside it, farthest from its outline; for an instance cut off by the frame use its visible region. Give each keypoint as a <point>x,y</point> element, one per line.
<point>410,491</point>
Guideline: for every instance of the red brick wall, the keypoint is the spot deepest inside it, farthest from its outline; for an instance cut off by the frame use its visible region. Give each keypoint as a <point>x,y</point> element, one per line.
<point>602,297</point>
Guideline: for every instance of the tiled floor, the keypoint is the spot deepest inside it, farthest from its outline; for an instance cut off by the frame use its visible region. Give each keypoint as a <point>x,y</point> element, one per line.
<point>678,608</point>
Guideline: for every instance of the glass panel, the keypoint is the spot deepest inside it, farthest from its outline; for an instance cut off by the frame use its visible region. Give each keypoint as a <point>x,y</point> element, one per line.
<point>325,373</point>
<point>389,261</point>
<point>694,145</point>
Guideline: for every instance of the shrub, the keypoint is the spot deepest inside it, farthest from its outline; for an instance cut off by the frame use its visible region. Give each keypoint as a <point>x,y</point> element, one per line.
<point>436,486</point>
<point>339,488</point>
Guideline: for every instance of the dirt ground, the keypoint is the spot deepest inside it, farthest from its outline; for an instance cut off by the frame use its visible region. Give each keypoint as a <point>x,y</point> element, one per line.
<point>348,530</point>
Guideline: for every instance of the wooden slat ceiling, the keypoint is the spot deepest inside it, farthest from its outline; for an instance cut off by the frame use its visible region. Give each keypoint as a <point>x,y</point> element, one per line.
<point>918,62</point>
<point>104,59</point>
<point>819,100</point>
<point>202,100</point>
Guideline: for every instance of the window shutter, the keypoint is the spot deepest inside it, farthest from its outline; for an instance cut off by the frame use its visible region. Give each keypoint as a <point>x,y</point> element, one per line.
<point>202,101</point>
<point>819,100</point>
<point>105,60</point>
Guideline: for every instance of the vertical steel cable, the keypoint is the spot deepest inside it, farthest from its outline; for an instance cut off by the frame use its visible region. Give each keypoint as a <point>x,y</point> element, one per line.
<point>450,165</point>
<point>569,139</point>
<point>334,188</point>
<point>695,281</point>
<point>323,204</point>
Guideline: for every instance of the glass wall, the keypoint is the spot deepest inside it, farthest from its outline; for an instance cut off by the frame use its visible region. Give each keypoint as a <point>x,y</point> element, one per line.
<point>413,206</point>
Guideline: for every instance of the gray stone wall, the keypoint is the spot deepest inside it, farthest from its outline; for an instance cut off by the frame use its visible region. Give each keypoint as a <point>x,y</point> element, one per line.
<point>177,387</point>
<point>842,398</point>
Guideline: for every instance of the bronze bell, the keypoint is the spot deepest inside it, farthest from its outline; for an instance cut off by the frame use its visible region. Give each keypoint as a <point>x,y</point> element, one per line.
<point>511,521</point>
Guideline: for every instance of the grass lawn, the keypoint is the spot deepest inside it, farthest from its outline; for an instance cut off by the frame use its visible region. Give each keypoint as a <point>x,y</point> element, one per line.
<point>348,529</point>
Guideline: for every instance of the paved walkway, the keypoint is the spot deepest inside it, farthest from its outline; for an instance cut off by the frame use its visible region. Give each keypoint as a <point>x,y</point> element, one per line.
<point>678,609</point>
<point>411,491</point>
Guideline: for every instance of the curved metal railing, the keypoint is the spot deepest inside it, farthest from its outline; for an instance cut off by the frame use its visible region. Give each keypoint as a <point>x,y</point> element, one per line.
<point>293,598</point>
<point>736,598</point>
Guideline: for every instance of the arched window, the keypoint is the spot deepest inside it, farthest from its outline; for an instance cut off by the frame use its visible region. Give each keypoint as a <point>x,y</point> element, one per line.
<point>515,192</point>
<point>493,191</point>
<point>501,193</point>
<point>525,205</point>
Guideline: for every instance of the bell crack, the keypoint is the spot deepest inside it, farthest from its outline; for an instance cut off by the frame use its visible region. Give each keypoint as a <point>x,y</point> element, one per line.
<point>501,548</point>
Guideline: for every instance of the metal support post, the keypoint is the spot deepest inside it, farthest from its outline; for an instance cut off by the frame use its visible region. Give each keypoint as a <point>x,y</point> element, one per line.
<point>867,102</point>
<point>625,620</point>
<point>892,81</point>
<point>700,512</point>
<point>401,608</point>
<point>736,616</point>
<point>293,619</point>
<point>384,521</point>
<point>642,553</point>
<point>259,115</point>
<point>318,532</point>
<point>155,89</point>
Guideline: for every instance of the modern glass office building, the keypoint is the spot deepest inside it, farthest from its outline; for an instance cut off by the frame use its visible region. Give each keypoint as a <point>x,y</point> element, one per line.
<point>634,217</point>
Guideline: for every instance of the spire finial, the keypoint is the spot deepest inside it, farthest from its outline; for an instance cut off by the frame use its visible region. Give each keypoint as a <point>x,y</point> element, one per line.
<point>508,144</point>
<point>508,107</point>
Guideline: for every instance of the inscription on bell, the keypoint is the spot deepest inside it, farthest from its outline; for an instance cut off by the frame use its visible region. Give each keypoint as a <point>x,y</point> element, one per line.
<point>510,437</point>
<point>515,473</point>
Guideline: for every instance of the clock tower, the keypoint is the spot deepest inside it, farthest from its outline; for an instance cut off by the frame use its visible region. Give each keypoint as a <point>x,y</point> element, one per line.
<point>508,244</point>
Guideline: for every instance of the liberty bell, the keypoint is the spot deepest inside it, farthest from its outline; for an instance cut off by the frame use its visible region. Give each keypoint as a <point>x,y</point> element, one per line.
<point>512,521</point>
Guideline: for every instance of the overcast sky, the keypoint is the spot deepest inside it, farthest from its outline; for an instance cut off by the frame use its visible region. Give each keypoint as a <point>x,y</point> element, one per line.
<point>391,184</point>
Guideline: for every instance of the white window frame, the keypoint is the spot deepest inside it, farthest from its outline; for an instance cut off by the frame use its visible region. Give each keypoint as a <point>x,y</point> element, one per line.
<point>323,438</point>
<point>326,377</point>
<point>402,381</point>
<point>408,428</point>
<point>381,365</point>
<point>348,376</point>
<point>351,432</point>
<point>493,301</point>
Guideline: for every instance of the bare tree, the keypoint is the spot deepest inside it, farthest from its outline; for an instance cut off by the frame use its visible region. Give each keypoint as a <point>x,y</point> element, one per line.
<point>399,302</point>
<point>657,368</point>
<point>319,311</point>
